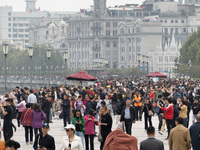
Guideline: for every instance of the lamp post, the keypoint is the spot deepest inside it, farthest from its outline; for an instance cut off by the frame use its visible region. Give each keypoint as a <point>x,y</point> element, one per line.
<point>139,58</point>
<point>65,56</point>
<point>48,56</point>
<point>143,61</point>
<point>30,52</point>
<point>147,61</point>
<point>190,65</point>
<point>5,51</point>
<point>104,63</point>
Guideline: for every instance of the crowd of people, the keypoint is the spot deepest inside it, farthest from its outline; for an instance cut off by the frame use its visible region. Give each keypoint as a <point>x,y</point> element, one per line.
<point>82,109</point>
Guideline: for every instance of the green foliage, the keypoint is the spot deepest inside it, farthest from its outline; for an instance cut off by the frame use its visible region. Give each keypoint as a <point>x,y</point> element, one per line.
<point>18,62</point>
<point>189,51</point>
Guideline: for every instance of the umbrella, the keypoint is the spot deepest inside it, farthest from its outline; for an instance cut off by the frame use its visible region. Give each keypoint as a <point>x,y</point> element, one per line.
<point>157,74</point>
<point>81,76</point>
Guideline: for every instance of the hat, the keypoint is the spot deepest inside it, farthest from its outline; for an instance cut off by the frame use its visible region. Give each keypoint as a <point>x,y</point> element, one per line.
<point>45,125</point>
<point>108,86</point>
<point>83,88</point>
<point>34,90</point>
<point>70,126</point>
<point>91,89</point>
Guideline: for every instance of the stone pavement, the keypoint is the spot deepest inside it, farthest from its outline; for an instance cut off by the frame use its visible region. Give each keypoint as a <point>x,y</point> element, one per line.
<point>55,130</point>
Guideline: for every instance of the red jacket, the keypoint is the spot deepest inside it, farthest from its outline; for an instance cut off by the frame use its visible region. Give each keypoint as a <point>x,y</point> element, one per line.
<point>26,119</point>
<point>169,112</point>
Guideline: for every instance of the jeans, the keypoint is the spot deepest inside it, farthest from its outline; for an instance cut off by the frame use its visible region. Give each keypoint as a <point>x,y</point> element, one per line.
<point>193,118</point>
<point>91,137</point>
<point>47,117</point>
<point>128,126</point>
<point>27,131</point>
<point>18,118</point>
<point>160,117</point>
<point>169,125</point>
<point>138,112</point>
<point>146,119</point>
<point>66,118</point>
<point>185,122</point>
<point>36,131</point>
<point>81,135</point>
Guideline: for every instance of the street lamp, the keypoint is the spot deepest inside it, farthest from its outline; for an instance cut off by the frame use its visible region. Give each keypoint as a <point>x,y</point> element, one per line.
<point>30,52</point>
<point>65,56</point>
<point>104,63</point>
<point>5,51</point>
<point>143,61</point>
<point>190,65</point>
<point>147,61</point>
<point>139,58</point>
<point>48,56</point>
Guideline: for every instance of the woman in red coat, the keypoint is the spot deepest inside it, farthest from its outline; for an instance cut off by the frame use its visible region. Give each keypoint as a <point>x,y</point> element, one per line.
<point>26,121</point>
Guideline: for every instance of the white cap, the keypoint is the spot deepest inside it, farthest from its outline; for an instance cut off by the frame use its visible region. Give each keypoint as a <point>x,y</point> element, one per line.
<point>70,126</point>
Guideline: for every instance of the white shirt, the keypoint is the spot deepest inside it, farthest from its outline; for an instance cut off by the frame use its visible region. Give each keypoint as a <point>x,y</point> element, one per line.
<point>56,97</point>
<point>32,99</point>
<point>76,143</point>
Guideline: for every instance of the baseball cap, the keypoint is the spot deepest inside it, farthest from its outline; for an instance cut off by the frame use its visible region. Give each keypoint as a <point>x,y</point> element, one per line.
<point>34,90</point>
<point>70,126</point>
<point>45,125</point>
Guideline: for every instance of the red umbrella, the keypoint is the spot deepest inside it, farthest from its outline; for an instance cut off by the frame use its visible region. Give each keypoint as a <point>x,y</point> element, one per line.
<point>157,74</point>
<point>81,76</point>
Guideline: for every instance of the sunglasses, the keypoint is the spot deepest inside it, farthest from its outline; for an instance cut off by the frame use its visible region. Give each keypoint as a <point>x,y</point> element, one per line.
<point>68,130</point>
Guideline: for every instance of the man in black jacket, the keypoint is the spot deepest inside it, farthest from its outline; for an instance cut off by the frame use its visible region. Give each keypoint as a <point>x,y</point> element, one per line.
<point>66,110</point>
<point>90,105</point>
<point>46,106</point>
<point>128,116</point>
<point>44,141</point>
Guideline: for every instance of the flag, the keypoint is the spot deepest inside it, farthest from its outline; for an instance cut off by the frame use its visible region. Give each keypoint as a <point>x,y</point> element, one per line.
<point>140,7</point>
<point>39,8</point>
<point>30,11</point>
<point>80,10</point>
<point>42,17</point>
<point>123,8</point>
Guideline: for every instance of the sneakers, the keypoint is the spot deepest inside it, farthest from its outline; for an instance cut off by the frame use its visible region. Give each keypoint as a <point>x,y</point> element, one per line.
<point>31,143</point>
<point>160,132</point>
<point>26,143</point>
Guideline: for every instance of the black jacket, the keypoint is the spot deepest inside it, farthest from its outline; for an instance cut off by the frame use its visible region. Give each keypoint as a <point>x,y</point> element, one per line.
<point>46,106</point>
<point>46,141</point>
<point>89,105</point>
<point>66,105</point>
<point>195,108</point>
<point>132,112</point>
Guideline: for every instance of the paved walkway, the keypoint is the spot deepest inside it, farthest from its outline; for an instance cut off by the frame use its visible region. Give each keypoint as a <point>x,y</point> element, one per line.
<point>55,130</point>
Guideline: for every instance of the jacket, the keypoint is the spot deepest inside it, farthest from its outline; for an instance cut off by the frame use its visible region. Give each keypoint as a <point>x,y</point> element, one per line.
<point>76,143</point>
<point>26,119</point>
<point>66,106</point>
<point>137,101</point>
<point>82,126</point>
<point>179,138</point>
<point>132,112</point>
<point>169,112</point>
<point>194,134</point>
<point>151,144</point>
<point>21,106</point>
<point>89,125</point>
<point>146,108</point>
<point>46,106</point>
<point>37,117</point>
<point>47,141</point>
<point>89,106</point>
<point>118,140</point>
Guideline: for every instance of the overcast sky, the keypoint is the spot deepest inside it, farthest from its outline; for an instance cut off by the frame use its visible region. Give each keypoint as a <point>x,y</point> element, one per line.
<point>62,5</point>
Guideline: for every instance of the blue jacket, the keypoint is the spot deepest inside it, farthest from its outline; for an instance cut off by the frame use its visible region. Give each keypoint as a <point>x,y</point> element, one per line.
<point>195,135</point>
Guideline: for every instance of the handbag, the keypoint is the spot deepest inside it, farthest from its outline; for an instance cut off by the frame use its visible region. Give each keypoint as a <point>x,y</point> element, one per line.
<point>150,112</point>
<point>26,122</point>
<point>100,138</point>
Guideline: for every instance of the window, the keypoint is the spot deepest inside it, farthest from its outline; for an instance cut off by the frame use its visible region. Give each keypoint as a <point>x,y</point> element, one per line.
<point>107,24</point>
<point>9,35</point>
<point>166,58</point>
<point>107,32</point>
<point>21,35</point>
<point>132,30</point>
<point>9,24</point>
<point>172,21</point>
<point>14,25</point>
<point>122,58</point>
<point>20,25</point>
<point>129,49</point>
<point>26,35</point>
<point>165,21</point>
<point>129,30</point>
<point>122,49</point>
<point>107,43</point>
<point>176,31</point>
<point>160,69</point>
<point>129,58</point>
<point>9,13</point>
<point>9,30</point>
<point>129,40</point>
<point>114,32</point>
<point>161,21</point>
<point>14,30</point>
<point>122,31</point>
<point>184,30</point>
<point>26,41</point>
<point>9,19</point>
<point>176,21</point>
<point>114,24</point>
<point>21,30</point>
<point>115,44</point>
<point>114,64</point>
<point>14,35</point>
<point>26,30</point>
<point>166,31</point>
<point>171,58</point>
<point>160,59</point>
<point>182,21</point>
<point>137,30</point>
<point>171,31</point>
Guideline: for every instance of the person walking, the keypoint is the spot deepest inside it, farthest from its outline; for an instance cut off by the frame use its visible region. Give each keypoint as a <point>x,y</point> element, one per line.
<point>21,106</point>
<point>44,141</point>
<point>128,116</point>
<point>168,114</point>
<point>79,122</point>
<point>151,143</point>
<point>148,110</point>
<point>71,141</point>
<point>26,122</point>
<point>7,111</point>
<point>38,116</point>
<point>183,112</point>
<point>46,107</point>
<point>194,133</point>
<point>90,122</point>
<point>195,108</point>
<point>179,137</point>
<point>160,112</point>
<point>106,124</point>
<point>79,105</point>
<point>32,99</point>
<point>89,104</point>
<point>66,110</point>
<point>176,111</point>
